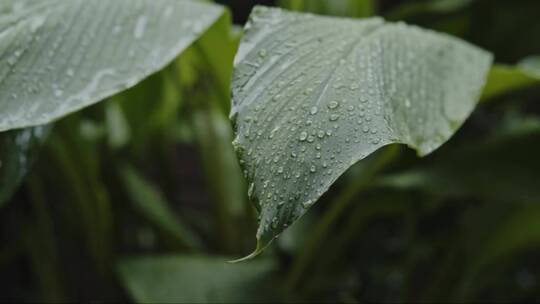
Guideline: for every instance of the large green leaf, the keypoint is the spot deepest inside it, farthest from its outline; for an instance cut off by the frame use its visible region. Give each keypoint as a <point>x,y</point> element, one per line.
<point>314,95</point>
<point>196,279</point>
<point>16,154</point>
<point>59,56</point>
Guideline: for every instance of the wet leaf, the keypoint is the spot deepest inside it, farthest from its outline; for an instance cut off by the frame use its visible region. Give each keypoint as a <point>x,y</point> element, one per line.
<point>196,279</point>
<point>314,95</point>
<point>60,56</point>
<point>16,154</point>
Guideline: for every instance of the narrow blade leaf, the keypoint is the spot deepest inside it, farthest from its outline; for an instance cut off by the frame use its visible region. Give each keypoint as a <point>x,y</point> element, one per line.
<point>17,150</point>
<point>314,95</point>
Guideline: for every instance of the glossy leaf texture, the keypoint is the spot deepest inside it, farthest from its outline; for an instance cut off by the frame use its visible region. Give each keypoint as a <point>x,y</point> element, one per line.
<point>314,95</point>
<point>16,153</point>
<point>59,56</point>
<point>196,279</point>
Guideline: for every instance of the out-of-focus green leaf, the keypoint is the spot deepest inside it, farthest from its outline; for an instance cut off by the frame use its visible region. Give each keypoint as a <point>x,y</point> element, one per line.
<point>492,234</point>
<point>153,206</point>
<point>504,78</point>
<point>411,8</point>
<point>223,173</point>
<point>314,95</point>
<point>531,66</point>
<point>212,59</point>
<point>61,56</point>
<point>72,181</point>
<point>470,171</point>
<point>117,126</point>
<point>197,279</point>
<point>505,27</point>
<point>350,8</point>
<point>17,149</point>
<point>520,230</point>
<point>216,49</point>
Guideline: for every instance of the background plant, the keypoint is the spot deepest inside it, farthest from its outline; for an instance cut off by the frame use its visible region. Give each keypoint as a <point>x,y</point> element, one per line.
<point>141,197</point>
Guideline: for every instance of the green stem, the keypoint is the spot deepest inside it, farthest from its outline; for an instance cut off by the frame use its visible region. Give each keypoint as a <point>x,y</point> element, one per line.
<point>336,210</point>
<point>41,245</point>
<point>89,197</point>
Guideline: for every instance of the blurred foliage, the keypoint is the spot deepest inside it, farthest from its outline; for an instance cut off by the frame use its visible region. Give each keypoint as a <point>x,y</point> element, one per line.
<point>140,198</point>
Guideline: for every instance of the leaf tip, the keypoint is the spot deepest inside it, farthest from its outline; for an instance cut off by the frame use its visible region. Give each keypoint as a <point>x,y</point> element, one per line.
<point>258,250</point>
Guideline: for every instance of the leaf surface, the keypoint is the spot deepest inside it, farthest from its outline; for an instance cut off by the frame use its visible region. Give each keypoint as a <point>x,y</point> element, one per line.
<point>16,153</point>
<point>59,56</point>
<point>314,95</point>
<point>190,279</point>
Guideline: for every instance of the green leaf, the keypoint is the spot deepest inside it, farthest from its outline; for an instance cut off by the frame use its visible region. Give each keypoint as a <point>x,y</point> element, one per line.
<point>490,240</point>
<point>314,95</point>
<point>531,66</point>
<point>469,171</point>
<point>504,78</point>
<point>60,56</point>
<point>517,231</point>
<point>153,206</point>
<point>16,155</point>
<point>409,9</point>
<point>196,279</point>
<point>350,8</point>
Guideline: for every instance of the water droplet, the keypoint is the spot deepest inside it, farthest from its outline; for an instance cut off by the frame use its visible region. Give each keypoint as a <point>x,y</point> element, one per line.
<point>334,117</point>
<point>140,27</point>
<point>116,30</point>
<point>407,103</point>
<point>313,110</point>
<point>303,136</point>
<point>333,104</point>
<point>307,204</point>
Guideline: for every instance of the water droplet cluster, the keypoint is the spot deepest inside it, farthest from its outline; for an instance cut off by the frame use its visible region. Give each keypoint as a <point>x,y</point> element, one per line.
<point>313,95</point>
<point>60,57</point>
